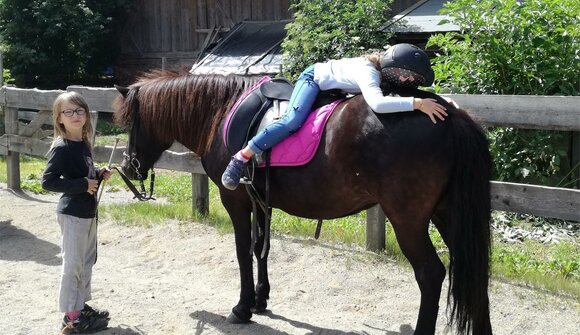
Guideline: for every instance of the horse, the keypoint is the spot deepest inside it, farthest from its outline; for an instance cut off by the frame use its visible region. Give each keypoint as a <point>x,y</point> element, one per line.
<point>417,171</point>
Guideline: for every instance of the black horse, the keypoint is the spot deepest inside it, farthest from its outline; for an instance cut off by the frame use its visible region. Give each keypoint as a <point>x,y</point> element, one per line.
<point>415,170</point>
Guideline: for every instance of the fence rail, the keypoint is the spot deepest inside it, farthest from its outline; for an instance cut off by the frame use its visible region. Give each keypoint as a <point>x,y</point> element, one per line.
<point>528,112</point>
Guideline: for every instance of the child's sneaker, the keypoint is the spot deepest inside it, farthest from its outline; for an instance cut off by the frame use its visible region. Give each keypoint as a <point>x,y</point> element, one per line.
<point>98,313</point>
<point>83,325</point>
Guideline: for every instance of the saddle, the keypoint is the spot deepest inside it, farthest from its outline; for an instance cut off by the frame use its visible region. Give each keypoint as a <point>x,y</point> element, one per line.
<point>261,105</point>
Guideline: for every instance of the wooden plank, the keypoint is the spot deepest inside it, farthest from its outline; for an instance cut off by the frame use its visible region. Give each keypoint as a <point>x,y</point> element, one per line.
<point>26,145</point>
<point>518,111</point>
<point>167,17</point>
<point>257,10</point>
<point>185,162</point>
<point>536,200</point>
<point>211,13</point>
<point>202,21</point>
<point>98,98</point>
<point>103,153</point>
<point>30,98</point>
<point>39,119</point>
<point>241,10</point>
<point>181,26</point>
<point>285,12</point>
<point>12,157</point>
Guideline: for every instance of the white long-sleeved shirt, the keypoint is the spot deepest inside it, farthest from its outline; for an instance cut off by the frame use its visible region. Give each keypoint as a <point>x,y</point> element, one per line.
<point>359,75</point>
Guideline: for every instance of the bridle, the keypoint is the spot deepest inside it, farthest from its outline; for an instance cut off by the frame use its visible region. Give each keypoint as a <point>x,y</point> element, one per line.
<point>135,164</point>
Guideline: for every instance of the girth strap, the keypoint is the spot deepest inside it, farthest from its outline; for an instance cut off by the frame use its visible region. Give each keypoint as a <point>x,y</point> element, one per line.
<point>264,206</point>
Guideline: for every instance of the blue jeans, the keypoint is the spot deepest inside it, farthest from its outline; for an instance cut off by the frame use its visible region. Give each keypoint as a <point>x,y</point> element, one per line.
<point>299,106</point>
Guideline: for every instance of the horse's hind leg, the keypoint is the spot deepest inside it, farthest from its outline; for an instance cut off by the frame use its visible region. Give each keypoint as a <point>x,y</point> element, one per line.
<point>263,284</point>
<point>413,238</point>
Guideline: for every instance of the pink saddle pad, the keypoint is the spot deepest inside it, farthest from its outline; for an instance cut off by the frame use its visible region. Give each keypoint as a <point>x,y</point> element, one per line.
<point>300,147</point>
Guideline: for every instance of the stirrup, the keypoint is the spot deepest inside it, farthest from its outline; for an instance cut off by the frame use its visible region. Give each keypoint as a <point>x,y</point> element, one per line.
<point>245,180</point>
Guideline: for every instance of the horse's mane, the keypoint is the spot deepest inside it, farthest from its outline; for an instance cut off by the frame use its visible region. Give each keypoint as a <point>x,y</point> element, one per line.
<point>178,104</point>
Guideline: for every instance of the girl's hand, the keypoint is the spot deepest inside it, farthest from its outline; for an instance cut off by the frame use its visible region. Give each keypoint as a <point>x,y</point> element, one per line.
<point>105,173</point>
<point>431,108</point>
<point>93,184</point>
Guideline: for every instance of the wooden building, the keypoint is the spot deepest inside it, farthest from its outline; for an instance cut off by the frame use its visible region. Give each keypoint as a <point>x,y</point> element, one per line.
<point>167,33</point>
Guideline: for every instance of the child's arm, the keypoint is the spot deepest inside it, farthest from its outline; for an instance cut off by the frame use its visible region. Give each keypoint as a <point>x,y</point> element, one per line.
<point>52,177</point>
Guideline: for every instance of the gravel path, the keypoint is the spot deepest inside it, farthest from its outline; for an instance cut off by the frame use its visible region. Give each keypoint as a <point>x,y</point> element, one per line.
<point>183,279</point>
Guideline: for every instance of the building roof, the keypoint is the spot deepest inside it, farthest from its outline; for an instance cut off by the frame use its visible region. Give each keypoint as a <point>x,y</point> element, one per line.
<point>251,47</point>
<point>422,17</point>
<point>254,47</point>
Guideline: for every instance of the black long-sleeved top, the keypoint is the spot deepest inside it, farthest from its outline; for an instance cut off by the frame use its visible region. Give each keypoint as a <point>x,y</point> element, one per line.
<point>69,165</point>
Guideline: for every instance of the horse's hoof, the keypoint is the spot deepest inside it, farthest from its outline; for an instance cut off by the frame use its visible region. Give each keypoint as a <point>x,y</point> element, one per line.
<point>233,318</point>
<point>258,309</point>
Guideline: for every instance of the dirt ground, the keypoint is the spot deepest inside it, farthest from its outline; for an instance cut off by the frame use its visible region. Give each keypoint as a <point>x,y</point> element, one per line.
<point>183,279</point>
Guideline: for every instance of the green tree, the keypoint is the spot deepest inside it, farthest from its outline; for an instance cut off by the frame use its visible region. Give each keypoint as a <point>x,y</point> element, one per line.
<point>324,29</point>
<point>52,44</point>
<point>515,47</point>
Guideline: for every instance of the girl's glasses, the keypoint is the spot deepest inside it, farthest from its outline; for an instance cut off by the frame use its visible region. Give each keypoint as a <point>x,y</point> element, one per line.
<point>70,112</point>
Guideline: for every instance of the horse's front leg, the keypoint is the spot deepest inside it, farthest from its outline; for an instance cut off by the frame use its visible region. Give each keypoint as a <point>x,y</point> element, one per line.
<point>263,285</point>
<point>241,313</point>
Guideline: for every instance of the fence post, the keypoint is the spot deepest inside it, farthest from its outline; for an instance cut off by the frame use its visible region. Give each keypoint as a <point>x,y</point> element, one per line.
<point>13,158</point>
<point>376,233</point>
<point>2,130</point>
<point>200,193</point>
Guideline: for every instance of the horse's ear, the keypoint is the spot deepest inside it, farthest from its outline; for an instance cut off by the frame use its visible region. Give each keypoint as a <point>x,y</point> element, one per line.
<point>122,90</point>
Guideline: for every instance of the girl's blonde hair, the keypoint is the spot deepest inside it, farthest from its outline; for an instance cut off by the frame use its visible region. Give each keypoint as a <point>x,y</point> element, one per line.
<point>375,58</point>
<point>59,129</point>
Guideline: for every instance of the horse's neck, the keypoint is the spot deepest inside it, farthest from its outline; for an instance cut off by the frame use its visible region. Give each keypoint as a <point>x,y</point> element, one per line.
<point>201,126</point>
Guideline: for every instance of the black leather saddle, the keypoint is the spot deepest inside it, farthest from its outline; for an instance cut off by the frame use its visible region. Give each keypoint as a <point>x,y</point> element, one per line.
<point>243,124</point>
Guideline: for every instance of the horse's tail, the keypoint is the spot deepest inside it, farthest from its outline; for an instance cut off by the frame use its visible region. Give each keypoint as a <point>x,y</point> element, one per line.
<point>469,215</point>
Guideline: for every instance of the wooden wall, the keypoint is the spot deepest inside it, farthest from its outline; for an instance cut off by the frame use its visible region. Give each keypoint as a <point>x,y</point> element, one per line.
<point>175,31</point>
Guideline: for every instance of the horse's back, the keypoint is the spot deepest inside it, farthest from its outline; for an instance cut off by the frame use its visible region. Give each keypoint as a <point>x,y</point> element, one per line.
<point>365,158</point>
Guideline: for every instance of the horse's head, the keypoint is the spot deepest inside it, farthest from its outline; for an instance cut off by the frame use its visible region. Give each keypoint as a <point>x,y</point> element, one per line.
<point>145,145</point>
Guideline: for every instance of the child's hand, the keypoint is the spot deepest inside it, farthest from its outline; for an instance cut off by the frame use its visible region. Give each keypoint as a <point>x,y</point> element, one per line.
<point>431,108</point>
<point>93,184</point>
<point>105,173</point>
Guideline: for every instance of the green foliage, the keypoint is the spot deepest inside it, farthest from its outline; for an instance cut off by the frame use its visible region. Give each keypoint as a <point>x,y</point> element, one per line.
<point>532,156</point>
<point>517,47</point>
<point>7,77</point>
<point>52,44</point>
<point>324,29</point>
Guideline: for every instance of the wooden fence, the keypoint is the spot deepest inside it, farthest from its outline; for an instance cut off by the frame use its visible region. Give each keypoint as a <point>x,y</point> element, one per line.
<point>529,112</point>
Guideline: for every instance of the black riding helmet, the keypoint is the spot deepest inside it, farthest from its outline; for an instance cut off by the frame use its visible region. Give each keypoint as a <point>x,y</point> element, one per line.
<point>404,60</point>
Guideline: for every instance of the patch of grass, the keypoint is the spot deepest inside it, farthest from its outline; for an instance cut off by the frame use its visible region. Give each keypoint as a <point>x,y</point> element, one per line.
<point>145,214</point>
<point>31,170</point>
<point>555,267</point>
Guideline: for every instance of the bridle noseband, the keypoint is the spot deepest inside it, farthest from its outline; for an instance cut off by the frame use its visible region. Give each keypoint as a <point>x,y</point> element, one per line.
<point>135,165</point>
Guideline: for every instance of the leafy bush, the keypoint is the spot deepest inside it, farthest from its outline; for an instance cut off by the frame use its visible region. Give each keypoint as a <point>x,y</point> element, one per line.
<point>515,47</point>
<point>325,29</point>
<point>52,44</point>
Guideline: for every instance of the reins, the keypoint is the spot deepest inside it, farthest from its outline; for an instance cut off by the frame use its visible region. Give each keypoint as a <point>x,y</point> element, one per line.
<point>142,194</point>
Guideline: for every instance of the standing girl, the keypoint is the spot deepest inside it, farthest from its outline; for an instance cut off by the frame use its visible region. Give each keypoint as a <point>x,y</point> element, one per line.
<point>70,171</point>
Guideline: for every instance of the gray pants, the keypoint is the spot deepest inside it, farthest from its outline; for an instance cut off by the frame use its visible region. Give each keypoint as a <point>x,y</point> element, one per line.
<point>79,249</point>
